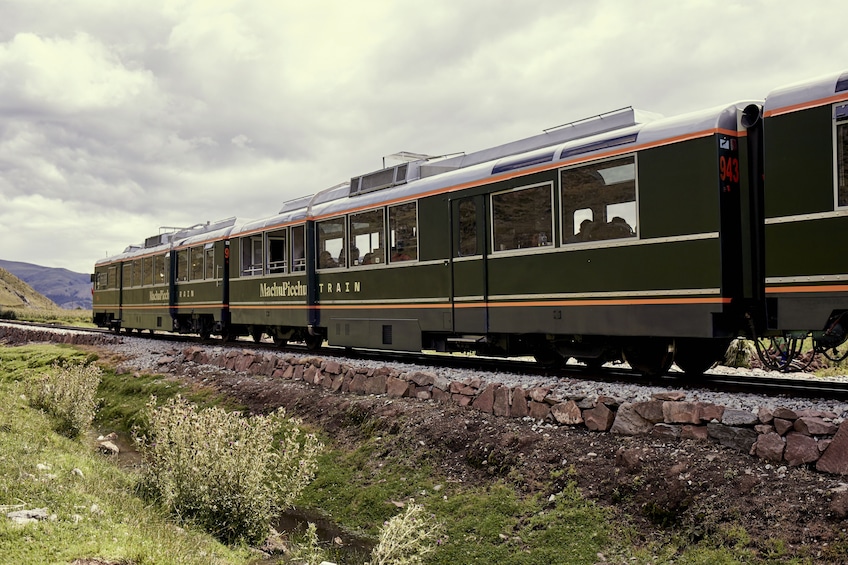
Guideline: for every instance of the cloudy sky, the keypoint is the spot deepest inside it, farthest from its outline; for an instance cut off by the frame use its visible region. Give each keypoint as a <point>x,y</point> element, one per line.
<point>118,117</point>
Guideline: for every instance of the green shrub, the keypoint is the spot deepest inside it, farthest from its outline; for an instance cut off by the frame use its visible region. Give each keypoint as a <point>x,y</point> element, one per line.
<point>308,552</point>
<point>68,393</point>
<point>406,538</point>
<point>740,353</point>
<point>227,473</point>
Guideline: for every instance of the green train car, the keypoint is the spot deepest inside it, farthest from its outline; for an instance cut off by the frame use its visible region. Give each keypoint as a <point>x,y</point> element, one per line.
<point>654,240</point>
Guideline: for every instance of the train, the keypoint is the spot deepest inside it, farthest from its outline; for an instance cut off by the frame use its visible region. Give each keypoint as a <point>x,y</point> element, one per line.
<point>624,236</point>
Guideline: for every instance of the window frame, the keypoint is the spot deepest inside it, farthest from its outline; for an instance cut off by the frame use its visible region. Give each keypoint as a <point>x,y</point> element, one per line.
<point>550,241</point>
<point>247,252</point>
<point>840,156</point>
<point>282,266</point>
<point>297,265</point>
<point>209,261</point>
<point>569,240</point>
<point>320,244</point>
<point>351,239</point>
<point>183,265</point>
<point>396,256</point>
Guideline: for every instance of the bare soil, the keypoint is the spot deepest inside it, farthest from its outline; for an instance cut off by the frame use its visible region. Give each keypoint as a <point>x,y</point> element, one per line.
<point>688,488</point>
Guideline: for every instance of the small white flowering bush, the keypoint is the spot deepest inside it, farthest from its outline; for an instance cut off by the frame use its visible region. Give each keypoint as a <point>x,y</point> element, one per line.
<point>223,471</point>
<point>68,394</point>
<point>406,538</point>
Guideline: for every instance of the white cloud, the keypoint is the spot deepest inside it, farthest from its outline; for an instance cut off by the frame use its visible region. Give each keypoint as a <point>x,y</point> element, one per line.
<point>116,118</point>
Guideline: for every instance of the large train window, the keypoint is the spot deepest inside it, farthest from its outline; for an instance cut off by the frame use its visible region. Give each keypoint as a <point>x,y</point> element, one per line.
<point>101,281</point>
<point>277,262</point>
<point>209,261</point>
<point>298,251</point>
<point>331,243</point>
<point>158,269</point>
<point>147,271</point>
<point>522,218</point>
<point>366,238</point>
<point>403,232</point>
<point>112,277</point>
<point>182,265</point>
<point>467,239</point>
<point>126,274</point>
<point>599,201</point>
<point>251,256</point>
<point>136,280</point>
<point>197,263</point>
<point>840,114</point>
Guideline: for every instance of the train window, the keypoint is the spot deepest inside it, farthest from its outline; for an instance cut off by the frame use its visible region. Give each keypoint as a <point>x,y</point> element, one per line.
<point>158,269</point>
<point>523,218</point>
<point>182,265</point>
<point>112,277</point>
<point>277,252</point>
<point>841,115</point>
<point>251,256</point>
<point>298,237</point>
<point>126,275</point>
<point>209,261</point>
<point>366,238</point>
<point>147,271</point>
<point>403,232</point>
<point>197,256</point>
<point>136,280</point>
<point>331,243</point>
<point>101,281</point>
<point>467,228</point>
<point>599,200</point>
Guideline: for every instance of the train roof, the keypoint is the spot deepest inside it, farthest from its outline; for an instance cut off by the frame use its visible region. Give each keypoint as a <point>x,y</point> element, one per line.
<point>821,90</point>
<point>628,137</point>
<point>170,237</point>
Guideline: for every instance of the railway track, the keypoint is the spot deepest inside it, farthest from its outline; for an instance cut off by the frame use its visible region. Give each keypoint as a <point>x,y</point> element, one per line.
<point>767,384</point>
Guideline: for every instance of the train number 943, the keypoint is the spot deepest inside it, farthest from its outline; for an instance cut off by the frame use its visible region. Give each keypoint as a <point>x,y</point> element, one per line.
<point>729,168</point>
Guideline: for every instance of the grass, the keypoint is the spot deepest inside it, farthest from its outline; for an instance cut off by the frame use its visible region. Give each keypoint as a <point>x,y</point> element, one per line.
<point>57,316</point>
<point>93,510</point>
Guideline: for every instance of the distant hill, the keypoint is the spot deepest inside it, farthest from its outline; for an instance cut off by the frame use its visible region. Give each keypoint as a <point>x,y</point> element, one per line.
<point>17,294</point>
<point>66,288</point>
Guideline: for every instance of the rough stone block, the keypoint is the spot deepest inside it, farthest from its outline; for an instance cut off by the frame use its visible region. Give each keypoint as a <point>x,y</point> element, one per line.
<point>600,418</point>
<point>800,449</point>
<point>681,412</point>
<point>835,458</point>
<point>567,413</point>
<point>770,446</point>
<point>629,422</point>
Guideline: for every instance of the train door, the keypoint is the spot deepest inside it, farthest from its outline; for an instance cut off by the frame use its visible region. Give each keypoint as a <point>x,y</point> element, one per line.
<point>469,289</point>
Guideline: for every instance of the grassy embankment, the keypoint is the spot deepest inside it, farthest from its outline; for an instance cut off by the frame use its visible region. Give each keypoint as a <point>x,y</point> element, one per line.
<point>91,503</point>
<point>97,513</point>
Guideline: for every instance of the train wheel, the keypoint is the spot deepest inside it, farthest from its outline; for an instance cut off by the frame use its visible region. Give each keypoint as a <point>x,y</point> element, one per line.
<point>280,341</point>
<point>549,359</point>
<point>313,342</point>
<point>650,356</point>
<point>256,334</point>
<point>695,356</point>
<point>205,334</point>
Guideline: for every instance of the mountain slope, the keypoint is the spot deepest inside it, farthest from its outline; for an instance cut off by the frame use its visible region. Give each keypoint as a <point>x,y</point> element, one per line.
<point>66,288</point>
<point>16,293</point>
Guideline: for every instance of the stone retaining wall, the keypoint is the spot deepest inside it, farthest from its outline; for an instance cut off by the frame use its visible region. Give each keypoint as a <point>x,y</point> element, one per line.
<point>804,437</point>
